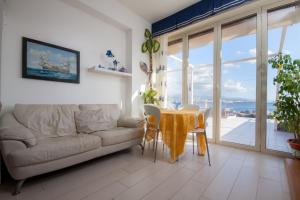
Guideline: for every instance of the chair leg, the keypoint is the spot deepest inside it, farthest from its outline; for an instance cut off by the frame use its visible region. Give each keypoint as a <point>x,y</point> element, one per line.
<point>197,144</point>
<point>144,145</point>
<point>162,140</point>
<point>142,148</point>
<point>207,149</point>
<point>156,141</point>
<point>18,187</point>
<point>153,146</point>
<point>193,143</point>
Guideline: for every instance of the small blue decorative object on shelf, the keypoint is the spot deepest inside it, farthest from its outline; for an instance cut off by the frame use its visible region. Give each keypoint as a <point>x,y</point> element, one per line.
<point>123,69</point>
<point>100,66</point>
<point>115,61</point>
<point>109,54</point>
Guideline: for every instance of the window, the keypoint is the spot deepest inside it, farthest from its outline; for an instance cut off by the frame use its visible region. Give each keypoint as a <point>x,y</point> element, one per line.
<point>226,55</point>
<point>200,73</point>
<point>174,74</point>
<point>283,37</point>
<point>238,82</point>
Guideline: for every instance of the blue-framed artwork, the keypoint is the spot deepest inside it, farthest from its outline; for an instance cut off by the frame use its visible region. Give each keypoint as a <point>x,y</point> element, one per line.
<point>50,62</point>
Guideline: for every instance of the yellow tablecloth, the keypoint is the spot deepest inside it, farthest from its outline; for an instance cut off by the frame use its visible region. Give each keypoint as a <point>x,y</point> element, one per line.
<point>174,126</point>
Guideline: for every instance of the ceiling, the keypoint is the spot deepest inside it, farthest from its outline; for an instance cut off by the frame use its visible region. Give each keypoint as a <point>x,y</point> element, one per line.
<point>154,10</point>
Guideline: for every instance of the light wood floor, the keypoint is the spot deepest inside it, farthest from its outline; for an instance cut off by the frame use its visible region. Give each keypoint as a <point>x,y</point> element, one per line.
<point>234,175</point>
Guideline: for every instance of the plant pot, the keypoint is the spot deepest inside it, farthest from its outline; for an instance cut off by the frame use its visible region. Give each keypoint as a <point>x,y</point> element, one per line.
<point>294,144</point>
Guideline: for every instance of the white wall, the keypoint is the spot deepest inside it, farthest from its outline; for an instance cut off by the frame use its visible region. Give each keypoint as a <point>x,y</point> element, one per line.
<point>63,24</point>
<point>137,25</point>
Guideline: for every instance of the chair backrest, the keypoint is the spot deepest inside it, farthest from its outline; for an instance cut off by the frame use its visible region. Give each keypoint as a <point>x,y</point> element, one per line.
<point>206,115</point>
<point>192,107</point>
<point>152,110</point>
<point>189,107</point>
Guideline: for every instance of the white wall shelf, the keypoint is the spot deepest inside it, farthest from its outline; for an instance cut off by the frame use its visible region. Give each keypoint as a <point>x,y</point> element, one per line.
<point>109,72</point>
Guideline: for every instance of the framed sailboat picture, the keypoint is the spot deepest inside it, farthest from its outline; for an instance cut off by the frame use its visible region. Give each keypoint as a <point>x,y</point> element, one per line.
<point>50,62</point>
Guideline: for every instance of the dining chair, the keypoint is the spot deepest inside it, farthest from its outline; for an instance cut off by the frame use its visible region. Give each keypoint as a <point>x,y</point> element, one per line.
<point>192,107</point>
<point>202,131</point>
<point>153,111</point>
<point>189,107</point>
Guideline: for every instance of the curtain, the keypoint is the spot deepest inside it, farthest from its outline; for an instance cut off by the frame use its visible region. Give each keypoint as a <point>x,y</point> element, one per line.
<point>160,66</point>
<point>194,13</point>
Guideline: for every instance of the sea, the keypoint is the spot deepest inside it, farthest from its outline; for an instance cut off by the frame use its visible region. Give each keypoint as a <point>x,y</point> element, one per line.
<point>50,74</point>
<point>239,106</point>
<point>233,105</point>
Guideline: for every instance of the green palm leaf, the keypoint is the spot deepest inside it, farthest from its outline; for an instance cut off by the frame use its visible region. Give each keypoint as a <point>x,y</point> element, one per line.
<point>156,46</point>
<point>144,47</point>
<point>148,33</point>
<point>149,45</point>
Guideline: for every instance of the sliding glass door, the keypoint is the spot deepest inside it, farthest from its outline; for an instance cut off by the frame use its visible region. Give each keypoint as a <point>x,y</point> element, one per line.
<point>238,82</point>
<point>283,37</point>
<point>225,68</point>
<point>174,74</point>
<point>200,73</point>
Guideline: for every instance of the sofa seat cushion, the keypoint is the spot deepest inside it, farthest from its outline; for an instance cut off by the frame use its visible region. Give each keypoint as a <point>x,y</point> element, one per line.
<point>54,148</point>
<point>119,135</point>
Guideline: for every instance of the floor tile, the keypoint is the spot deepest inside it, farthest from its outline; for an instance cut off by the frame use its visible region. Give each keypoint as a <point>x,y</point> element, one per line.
<point>127,175</point>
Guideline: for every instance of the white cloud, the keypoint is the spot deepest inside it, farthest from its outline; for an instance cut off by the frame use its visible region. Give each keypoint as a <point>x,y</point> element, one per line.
<point>285,51</point>
<point>240,52</point>
<point>231,66</point>
<point>251,61</point>
<point>234,86</point>
<point>224,71</point>
<point>38,53</point>
<point>270,52</point>
<point>198,88</point>
<point>63,59</point>
<point>252,52</point>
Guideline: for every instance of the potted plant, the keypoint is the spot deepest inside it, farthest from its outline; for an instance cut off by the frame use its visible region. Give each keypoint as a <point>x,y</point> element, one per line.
<point>287,111</point>
<point>149,97</point>
<point>150,46</point>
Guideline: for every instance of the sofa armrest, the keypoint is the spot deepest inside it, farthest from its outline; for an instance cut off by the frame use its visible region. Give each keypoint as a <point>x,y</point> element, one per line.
<point>130,122</point>
<point>8,146</point>
<point>11,129</point>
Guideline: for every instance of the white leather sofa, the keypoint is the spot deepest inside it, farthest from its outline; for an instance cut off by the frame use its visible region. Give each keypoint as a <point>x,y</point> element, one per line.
<point>36,139</point>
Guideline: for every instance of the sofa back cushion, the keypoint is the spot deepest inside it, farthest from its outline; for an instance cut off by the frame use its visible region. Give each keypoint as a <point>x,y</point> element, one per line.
<point>107,114</point>
<point>89,121</point>
<point>47,120</point>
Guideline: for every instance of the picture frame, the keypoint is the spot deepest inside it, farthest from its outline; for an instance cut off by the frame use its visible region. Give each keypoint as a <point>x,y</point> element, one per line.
<point>45,61</point>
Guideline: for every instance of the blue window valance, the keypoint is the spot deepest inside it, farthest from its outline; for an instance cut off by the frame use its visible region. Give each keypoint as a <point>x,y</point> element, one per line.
<point>193,13</point>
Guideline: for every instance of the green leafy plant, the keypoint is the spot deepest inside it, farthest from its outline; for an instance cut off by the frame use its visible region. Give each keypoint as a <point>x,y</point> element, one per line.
<point>287,111</point>
<point>150,46</point>
<point>149,97</point>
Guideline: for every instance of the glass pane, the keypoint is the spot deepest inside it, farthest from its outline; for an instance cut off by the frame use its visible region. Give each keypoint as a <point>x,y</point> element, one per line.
<point>241,36</point>
<point>238,82</point>
<point>174,75</point>
<point>201,73</point>
<point>283,36</point>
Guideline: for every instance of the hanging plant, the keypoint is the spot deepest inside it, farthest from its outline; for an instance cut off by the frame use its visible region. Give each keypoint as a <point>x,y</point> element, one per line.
<point>150,46</point>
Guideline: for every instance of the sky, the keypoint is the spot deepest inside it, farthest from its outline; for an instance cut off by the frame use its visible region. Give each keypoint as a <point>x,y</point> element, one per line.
<point>238,80</point>
<point>55,56</point>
